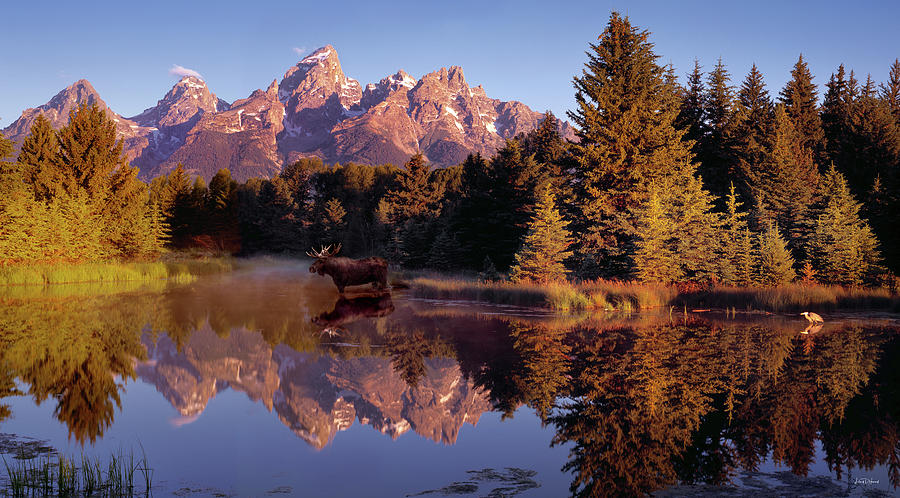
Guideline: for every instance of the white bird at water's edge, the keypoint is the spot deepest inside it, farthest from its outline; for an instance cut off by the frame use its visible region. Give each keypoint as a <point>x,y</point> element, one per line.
<point>812,317</point>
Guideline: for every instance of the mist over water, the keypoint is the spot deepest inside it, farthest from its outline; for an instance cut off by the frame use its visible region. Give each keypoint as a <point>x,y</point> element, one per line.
<point>266,379</point>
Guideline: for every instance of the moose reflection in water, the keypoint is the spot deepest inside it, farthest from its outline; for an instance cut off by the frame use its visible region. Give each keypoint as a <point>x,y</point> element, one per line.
<point>642,403</point>
<point>351,310</point>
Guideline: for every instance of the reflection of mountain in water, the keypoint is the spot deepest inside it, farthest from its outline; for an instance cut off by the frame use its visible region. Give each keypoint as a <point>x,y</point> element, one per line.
<point>314,395</point>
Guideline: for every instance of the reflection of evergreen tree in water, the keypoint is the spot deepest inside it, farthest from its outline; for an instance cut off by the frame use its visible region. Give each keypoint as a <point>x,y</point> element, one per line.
<point>408,353</point>
<point>73,352</point>
<point>545,357</point>
<point>694,402</point>
<point>637,399</point>
<point>868,433</point>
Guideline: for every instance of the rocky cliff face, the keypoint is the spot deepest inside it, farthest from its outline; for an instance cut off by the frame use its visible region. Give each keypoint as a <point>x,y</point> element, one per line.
<point>316,110</point>
<point>315,396</point>
<point>241,138</point>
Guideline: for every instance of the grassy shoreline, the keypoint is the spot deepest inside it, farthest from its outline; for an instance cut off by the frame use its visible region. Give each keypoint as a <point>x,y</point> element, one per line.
<point>631,296</point>
<point>179,269</point>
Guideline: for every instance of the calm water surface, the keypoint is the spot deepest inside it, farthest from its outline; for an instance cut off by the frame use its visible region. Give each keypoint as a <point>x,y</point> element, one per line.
<point>264,381</point>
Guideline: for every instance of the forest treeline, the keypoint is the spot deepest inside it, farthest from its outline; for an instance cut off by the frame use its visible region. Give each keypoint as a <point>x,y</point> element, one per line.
<point>710,181</point>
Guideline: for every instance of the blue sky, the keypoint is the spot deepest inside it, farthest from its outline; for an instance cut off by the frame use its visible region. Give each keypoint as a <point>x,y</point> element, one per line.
<point>528,51</point>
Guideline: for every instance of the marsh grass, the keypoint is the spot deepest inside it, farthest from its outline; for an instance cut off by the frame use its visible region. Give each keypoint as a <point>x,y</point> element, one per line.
<point>180,271</point>
<point>795,297</point>
<point>623,296</point>
<point>564,296</point>
<point>57,475</point>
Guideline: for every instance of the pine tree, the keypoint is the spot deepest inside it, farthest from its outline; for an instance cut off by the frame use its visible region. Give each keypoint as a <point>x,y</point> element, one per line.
<point>890,92</point>
<point>175,204</point>
<point>871,146</point>
<point>836,110</point>
<point>655,260</point>
<point>415,196</point>
<point>747,256</point>
<point>753,121</point>
<point>334,220</point>
<point>89,152</point>
<point>489,272</point>
<point>736,260</point>
<point>785,183</point>
<point>545,142</point>
<point>677,233</point>
<point>93,169</point>
<point>692,115</point>
<point>624,120</point>
<point>718,104</point>
<point>843,246</point>
<point>38,158</point>
<point>6,147</point>
<point>800,99</point>
<point>775,265</point>
<point>540,259</point>
<point>444,253</point>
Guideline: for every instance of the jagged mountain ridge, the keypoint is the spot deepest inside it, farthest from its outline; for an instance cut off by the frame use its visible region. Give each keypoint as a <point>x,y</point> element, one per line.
<point>314,111</point>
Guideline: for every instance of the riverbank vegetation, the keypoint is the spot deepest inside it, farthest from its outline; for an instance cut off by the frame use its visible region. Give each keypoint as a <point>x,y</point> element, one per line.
<point>706,183</point>
<point>177,270</point>
<point>612,295</point>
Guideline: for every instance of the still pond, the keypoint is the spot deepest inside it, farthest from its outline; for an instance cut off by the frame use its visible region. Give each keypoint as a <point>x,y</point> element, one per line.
<point>265,382</point>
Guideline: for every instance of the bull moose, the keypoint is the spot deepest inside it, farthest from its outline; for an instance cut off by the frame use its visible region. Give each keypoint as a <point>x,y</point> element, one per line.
<point>346,272</point>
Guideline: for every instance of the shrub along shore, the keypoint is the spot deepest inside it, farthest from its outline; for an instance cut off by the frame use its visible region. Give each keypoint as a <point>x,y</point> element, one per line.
<point>613,295</point>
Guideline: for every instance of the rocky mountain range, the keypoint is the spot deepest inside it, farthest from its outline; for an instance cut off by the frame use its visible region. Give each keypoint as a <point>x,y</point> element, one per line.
<point>314,111</point>
<point>316,396</point>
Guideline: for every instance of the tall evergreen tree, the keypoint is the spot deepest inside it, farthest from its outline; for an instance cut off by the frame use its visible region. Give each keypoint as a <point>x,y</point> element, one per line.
<point>800,99</point>
<point>92,166</point>
<point>775,265</point>
<point>736,263</point>
<point>38,159</point>
<point>692,114</point>
<point>677,233</point>
<point>415,196</point>
<point>715,157</point>
<point>753,121</point>
<point>624,120</point>
<point>6,147</point>
<point>890,91</point>
<point>540,259</point>
<point>844,249</point>
<point>655,260</point>
<point>785,183</point>
<point>836,110</point>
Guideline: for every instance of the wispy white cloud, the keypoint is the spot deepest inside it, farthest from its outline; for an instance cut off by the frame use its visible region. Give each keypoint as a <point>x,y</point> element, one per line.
<point>181,71</point>
<point>300,51</point>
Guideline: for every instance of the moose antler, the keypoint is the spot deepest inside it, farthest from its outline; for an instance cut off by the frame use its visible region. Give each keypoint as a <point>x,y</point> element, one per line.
<point>324,252</point>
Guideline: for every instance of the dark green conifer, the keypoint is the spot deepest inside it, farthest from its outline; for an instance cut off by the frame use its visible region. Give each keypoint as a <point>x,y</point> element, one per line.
<point>715,156</point>
<point>775,265</point>
<point>692,115</point>
<point>800,99</point>
<point>890,91</point>
<point>545,247</point>
<point>626,106</point>
<point>38,159</point>
<point>655,259</point>
<point>753,120</point>
<point>843,247</point>
<point>736,262</point>
<point>784,184</point>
